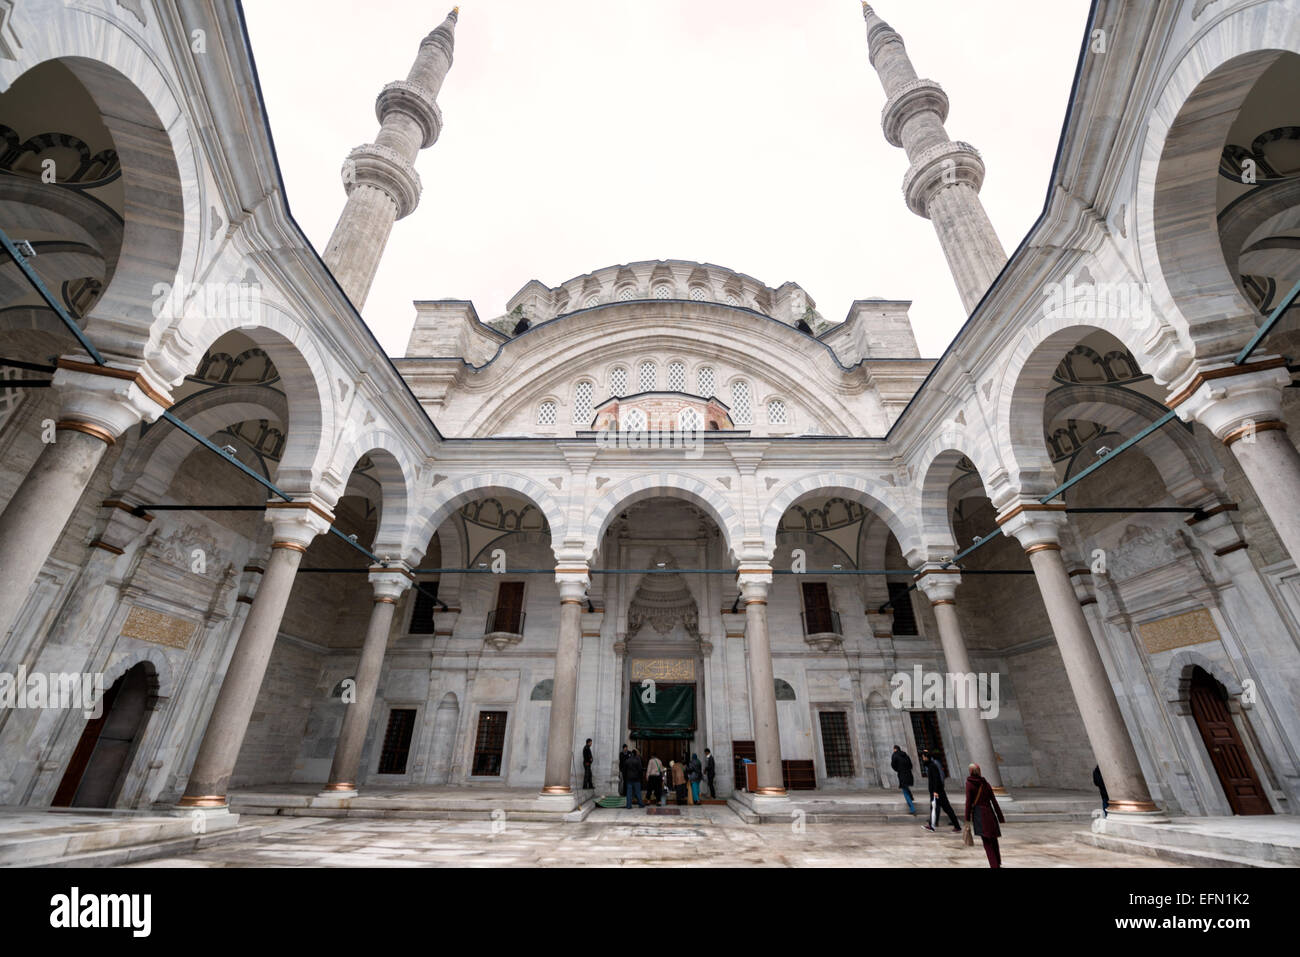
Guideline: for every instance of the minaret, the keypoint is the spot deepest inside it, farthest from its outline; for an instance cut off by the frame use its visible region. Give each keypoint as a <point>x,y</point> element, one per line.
<point>944,180</point>
<point>380,180</point>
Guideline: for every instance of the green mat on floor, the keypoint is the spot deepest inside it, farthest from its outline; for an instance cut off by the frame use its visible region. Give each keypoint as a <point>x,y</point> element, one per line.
<point>611,801</point>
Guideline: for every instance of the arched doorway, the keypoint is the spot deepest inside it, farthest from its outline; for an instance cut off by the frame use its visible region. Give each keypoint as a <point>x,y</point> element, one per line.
<point>1228,754</point>
<point>103,755</point>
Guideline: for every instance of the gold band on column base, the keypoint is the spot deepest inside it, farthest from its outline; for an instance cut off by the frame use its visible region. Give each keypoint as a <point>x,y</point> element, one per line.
<point>1000,791</point>
<point>770,792</point>
<point>340,786</point>
<point>1245,430</point>
<point>72,425</point>
<point>943,601</point>
<point>385,599</point>
<point>203,800</point>
<point>1043,547</point>
<point>292,546</point>
<point>755,601</point>
<point>557,789</point>
<point>1133,806</point>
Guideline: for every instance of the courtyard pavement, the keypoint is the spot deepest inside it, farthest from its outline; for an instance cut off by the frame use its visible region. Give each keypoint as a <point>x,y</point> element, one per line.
<point>708,836</point>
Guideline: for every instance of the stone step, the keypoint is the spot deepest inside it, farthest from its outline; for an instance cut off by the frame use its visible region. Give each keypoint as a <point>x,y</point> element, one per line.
<point>1265,840</point>
<point>79,837</point>
<point>1165,852</point>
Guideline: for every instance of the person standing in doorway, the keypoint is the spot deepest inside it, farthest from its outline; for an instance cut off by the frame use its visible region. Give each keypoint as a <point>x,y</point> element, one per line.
<point>679,781</point>
<point>586,765</point>
<point>1100,782</point>
<point>632,770</point>
<point>710,771</point>
<point>938,796</point>
<point>697,775</point>
<point>654,772</point>
<point>622,771</point>
<point>902,766</point>
<point>984,814</point>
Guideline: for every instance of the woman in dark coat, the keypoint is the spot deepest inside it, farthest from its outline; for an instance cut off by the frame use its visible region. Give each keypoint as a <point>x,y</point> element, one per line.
<point>984,814</point>
<point>696,774</point>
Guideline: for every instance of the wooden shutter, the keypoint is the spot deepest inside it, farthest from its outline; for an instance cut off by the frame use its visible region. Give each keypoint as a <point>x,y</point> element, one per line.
<point>397,741</point>
<point>510,606</point>
<point>489,742</point>
<point>816,608</point>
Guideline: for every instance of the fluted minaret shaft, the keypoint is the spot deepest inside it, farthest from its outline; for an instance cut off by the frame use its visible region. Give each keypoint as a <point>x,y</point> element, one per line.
<point>945,176</point>
<point>380,177</point>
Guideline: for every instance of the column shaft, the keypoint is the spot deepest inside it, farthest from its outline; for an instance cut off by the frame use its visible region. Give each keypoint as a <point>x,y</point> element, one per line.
<point>1272,466</point>
<point>564,697</point>
<point>974,728</point>
<point>762,694</point>
<point>344,771</point>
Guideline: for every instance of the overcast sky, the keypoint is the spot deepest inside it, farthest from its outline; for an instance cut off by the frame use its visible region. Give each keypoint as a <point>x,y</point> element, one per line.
<point>584,133</point>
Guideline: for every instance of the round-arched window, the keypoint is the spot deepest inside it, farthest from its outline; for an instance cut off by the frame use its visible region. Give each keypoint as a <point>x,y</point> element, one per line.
<point>663,292</point>
<point>582,395</point>
<point>647,377</point>
<point>618,381</point>
<point>546,413</point>
<point>677,377</point>
<point>740,407</point>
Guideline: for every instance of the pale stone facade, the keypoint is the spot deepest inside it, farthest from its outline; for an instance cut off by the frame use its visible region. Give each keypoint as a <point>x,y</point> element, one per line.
<point>575,550</point>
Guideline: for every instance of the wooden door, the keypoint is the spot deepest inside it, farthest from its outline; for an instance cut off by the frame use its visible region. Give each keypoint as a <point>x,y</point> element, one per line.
<point>510,606</point>
<point>1227,753</point>
<point>816,608</point>
<point>85,747</point>
<point>104,753</point>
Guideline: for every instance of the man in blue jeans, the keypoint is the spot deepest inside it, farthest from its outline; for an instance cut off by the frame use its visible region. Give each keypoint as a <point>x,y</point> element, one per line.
<point>902,766</point>
<point>632,771</point>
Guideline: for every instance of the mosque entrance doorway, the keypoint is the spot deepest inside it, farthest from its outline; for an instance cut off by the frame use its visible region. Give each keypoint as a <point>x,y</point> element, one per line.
<point>1228,754</point>
<point>103,755</point>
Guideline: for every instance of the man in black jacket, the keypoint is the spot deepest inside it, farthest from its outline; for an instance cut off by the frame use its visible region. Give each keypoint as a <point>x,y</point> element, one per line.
<point>622,771</point>
<point>934,772</point>
<point>902,766</point>
<point>1100,783</point>
<point>632,771</point>
<point>586,765</point>
<point>709,771</point>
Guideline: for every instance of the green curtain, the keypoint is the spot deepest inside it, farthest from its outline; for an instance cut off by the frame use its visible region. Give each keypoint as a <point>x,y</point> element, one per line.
<point>670,715</point>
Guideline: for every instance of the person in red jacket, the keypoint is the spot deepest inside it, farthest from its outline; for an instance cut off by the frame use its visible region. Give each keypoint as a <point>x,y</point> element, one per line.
<point>983,812</point>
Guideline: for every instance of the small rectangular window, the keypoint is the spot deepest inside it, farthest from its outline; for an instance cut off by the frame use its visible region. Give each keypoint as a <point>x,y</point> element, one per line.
<point>397,741</point>
<point>836,748</point>
<point>489,743</point>
<point>904,613</point>
<point>422,609</point>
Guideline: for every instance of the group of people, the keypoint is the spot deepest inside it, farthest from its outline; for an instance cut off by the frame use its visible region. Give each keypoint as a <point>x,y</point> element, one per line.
<point>656,778</point>
<point>982,811</point>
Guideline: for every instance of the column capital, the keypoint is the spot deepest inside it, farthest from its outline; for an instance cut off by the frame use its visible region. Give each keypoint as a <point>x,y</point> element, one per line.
<point>1033,524</point>
<point>754,578</point>
<point>574,578</point>
<point>1230,399</point>
<point>938,583</point>
<point>105,401</point>
<point>389,584</point>
<point>296,524</point>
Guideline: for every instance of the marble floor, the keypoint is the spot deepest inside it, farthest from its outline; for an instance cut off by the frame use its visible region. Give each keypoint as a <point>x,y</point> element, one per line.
<point>708,836</point>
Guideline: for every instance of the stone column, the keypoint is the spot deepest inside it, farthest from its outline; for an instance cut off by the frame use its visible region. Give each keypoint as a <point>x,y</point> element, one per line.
<point>573,580</point>
<point>1242,406</point>
<point>388,585</point>
<point>98,405</point>
<point>296,524</point>
<point>940,586</point>
<point>754,583</point>
<point>1037,528</point>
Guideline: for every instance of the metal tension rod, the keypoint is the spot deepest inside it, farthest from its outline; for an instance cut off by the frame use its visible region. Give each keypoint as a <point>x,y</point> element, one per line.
<point>50,301</point>
<point>1273,318</point>
<point>29,366</point>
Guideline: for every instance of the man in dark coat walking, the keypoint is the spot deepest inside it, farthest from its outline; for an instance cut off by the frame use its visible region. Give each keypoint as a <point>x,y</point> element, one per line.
<point>902,766</point>
<point>939,797</point>
<point>1101,786</point>
<point>622,771</point>
<point>709,771</point>
<point>586,765</point>
<point>632,771</point>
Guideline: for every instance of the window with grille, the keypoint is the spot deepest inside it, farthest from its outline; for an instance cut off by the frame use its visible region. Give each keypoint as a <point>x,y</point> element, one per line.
<point>582,393</point>
<point>489,743</point>
<point>546,413</point>
<point>677,376</point>
<point>647,377</point>
<point>690,420</point>
<point>925,728</point>
<point>593,300</point>
<point>698,294</point>
<point>904,614</point>
<point>626,294</point>
<point>422,609</point>
<point>705,377</point>
<point>663,292</point>
<point>836,748</point>
<point>618,381</point>
<point>634,420</point>
<point>740,410</point>
<point>732,300</point>
<point>776,412</point>
<point>397,741</point>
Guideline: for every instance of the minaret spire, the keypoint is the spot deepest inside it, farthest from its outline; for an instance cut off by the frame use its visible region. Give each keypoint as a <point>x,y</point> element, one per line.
<point>944,179</point>
<point>380,177</point>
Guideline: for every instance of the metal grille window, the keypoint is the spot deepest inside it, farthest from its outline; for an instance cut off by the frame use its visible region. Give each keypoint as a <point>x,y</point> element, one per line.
<point>904,613</point>
<point>732,300</point>
<point>663,292</point>
<point>705,377</point>
<point>634,421</point>
<point>677,376</point>
<point>698,294</point>
<point>592,300</point>
<point>626,294</point>
<point>582,393</point>
<point>489,743</point>
<point>690,420</point>
<point>740,410</point>
<point>618,381</point>
<point>776,412</point>
<point>397,741</point>
<point>422,609</point>
<point>836,748</point>
<point>647,377</point>
<point>546,413</point>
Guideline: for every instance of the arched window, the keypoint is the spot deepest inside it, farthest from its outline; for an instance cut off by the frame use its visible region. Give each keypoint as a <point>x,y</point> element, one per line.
<point>543,690</point>
<point>546,413</point>
<point>663,292</point>
<point>592,300</point>
<point>634,420</point>
<point>677,377</point>
<point>582,394</point>
<point>647,377</point>
<point>731,300</point>
<point>698,294</point>
<point>776,412</point>
<point>618,381</point>
<point>626,294</point>
<point>705,377</point>
<point>740,410</point>
<point>690,420</point>
<point>783,690</point>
